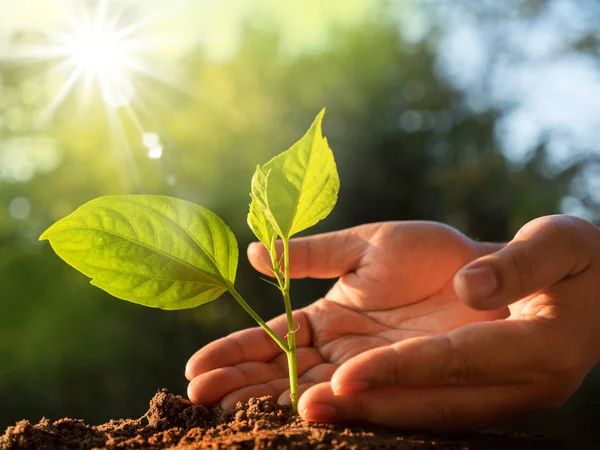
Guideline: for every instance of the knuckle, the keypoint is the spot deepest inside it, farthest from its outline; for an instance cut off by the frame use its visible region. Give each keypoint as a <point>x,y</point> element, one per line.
<point>570,236</point>
<point>568,365</point>
<point>455,370</point>
<point>556,398</point>
<point>567,373</point>
<point>555,395</point>
<point>309,249</point>
<point>360,410</point>
<point>552,224</point>
<point>563,376</point>
<point>383,233</point>
<point>552,228</point>
<point>441,415</point>
<point>521,265</point>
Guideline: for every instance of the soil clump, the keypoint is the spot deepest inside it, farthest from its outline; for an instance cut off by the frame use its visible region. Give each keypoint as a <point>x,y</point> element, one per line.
<point>174,423</point>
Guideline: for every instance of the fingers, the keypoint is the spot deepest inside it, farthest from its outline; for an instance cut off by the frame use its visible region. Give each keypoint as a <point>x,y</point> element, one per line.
<point>474,355</point>
<point>253,344</point>
<point>327,255</point>
<point>273,388</point>
<point>210,387</point>
<point>279,388</point>
<point>443,408</point>
<point>542,253</point>
<point>229,385</point>
<point>285,399</point>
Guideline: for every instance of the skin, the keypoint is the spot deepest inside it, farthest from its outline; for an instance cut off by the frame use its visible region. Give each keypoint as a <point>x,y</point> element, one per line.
<point>424,328</point>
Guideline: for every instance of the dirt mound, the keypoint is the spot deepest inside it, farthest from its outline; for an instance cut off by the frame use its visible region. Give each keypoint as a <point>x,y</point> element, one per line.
<point>174,423</point>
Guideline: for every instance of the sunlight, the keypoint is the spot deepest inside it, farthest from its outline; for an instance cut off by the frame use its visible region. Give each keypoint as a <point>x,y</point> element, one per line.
<point>152,143</point>
<point>98,50</point>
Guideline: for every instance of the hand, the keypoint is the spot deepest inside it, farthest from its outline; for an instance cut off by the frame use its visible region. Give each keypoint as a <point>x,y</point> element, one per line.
<point>549,275</point>
<point>395,285</point>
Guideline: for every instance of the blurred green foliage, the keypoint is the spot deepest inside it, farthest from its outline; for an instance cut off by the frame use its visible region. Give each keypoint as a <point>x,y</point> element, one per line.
<point>69,349</point>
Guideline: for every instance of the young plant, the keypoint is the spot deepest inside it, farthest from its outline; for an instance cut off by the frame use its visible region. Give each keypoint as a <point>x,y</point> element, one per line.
<point>168,253</point>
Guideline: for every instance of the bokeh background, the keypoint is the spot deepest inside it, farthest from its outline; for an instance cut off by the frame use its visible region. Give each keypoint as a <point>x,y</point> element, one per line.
<point>480,114</point>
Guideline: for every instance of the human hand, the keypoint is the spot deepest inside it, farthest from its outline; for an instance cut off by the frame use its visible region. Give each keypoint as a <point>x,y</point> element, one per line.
<point>478,374</point>
<point>395,284</point>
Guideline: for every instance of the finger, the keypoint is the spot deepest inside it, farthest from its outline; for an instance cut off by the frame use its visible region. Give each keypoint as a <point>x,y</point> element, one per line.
<point>279,388</point>
<point>286,399</point>
<point>542,253</point>
<point>327,255</point>
<point>209,388</point>
<point>473,355</point>
<point>252,344</point>
<point>443,408</point>
<point>273,388</point>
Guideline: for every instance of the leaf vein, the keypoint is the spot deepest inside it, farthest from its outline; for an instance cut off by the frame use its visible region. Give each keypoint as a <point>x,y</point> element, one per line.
<point>188,265</point>
<point>194,239</point>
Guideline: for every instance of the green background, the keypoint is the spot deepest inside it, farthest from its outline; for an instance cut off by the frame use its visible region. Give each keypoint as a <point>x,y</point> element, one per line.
<point>482,115</point>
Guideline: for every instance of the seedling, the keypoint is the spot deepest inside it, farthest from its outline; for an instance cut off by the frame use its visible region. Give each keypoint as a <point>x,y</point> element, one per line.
<point>167,253</point>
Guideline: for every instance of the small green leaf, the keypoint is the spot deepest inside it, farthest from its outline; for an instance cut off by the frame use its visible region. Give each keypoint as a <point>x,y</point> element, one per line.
<point>295,189</point>
<point>153,250</point>
<point>257,220</point>
<point>271,283</point>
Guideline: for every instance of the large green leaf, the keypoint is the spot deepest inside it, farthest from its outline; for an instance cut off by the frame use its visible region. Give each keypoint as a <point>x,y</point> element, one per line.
<point>153,250</point>
<point>295,189</point>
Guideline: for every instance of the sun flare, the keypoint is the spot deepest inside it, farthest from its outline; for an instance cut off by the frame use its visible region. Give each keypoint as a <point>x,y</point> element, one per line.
<point>99,46</point>
<point>103,49</point>
<point>98,50</point>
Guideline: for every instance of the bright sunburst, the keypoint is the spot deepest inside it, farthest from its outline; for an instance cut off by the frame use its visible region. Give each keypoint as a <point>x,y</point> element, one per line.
<point>100,52</point>
<point>100,48</point>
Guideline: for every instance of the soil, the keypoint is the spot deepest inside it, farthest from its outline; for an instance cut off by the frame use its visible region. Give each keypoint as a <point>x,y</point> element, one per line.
<point>174,423</point>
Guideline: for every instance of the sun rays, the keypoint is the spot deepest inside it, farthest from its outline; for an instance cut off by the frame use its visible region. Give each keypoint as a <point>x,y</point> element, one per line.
<point>102,51</point>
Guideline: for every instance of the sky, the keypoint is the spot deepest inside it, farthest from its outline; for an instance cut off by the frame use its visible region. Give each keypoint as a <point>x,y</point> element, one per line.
<point>524,68</point>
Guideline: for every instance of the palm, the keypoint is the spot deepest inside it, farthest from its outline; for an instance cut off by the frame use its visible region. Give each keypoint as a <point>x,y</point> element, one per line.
<point>399,286</point>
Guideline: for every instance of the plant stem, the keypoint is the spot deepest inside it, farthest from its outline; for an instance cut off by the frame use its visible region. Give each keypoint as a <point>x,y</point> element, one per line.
<point>261,322</point>
<point>291,337</point>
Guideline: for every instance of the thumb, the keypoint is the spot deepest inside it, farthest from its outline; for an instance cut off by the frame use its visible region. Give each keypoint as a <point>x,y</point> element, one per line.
<point>327,255</point>
<point>542,253</point>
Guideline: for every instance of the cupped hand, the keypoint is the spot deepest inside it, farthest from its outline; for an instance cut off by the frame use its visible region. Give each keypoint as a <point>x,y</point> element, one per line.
<point>395,287</point>
<point>485,372</point>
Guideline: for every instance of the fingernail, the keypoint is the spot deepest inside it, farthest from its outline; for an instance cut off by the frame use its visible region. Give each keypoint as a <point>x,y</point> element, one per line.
<point>479,282</point>
<point>320,412</point>
<point>350,387</point>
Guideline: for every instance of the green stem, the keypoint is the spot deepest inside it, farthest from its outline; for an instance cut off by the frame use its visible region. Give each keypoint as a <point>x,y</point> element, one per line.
<point>291,337</point>
<point>261,322</point>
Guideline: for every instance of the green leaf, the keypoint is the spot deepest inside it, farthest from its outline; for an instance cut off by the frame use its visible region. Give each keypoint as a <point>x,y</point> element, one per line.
<point>295,189</point>
<point>279,288</point>
<point>257,220</point>
<point>153,250</point>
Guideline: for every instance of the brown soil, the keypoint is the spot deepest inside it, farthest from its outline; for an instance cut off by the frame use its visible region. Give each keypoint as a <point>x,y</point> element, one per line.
<point>174,423</point>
